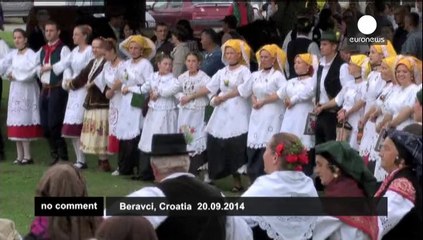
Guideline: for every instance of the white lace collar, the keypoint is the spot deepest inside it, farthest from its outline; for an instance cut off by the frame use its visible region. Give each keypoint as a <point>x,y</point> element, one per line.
<point>283,184</point>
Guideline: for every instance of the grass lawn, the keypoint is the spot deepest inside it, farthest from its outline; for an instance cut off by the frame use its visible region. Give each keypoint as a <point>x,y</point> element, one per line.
<point>7,37</point>
<point>18,183</point>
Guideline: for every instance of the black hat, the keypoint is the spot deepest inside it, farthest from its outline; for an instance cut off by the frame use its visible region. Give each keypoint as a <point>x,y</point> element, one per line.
<point>409,147</point>
<point>230,20</point>
<point>168,145</point>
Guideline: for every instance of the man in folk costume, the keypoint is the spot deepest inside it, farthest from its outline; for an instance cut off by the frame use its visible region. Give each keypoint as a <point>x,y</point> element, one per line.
<point>53,98</point>
<point>331,76</point>
<point>170,164</point>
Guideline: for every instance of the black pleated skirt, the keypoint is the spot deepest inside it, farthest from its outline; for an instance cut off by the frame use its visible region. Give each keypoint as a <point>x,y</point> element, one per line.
<point>225,156</point>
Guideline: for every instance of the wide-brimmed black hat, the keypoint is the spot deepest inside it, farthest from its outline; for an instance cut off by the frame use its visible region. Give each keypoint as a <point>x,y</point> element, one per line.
<point>168,145</point>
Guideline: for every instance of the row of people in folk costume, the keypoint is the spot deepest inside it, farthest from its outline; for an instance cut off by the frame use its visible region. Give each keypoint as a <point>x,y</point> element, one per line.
<point>276,103</point>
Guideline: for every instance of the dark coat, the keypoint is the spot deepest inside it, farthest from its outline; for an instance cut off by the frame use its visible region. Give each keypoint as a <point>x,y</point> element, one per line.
<point>95,99</point>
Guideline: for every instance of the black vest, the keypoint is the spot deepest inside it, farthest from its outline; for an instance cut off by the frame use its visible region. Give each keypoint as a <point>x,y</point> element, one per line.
<point>297,46</point>
<point>191,228</point>
<point>331,82</point>
<point>409,226</point>
<point>54,58</point>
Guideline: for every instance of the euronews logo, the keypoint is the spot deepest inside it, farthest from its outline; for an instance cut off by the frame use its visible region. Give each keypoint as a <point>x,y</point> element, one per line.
<point>367,26</point>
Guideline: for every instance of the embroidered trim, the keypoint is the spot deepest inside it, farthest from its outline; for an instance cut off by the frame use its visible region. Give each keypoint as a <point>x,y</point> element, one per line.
<point>385,183</point>
<point>273,234</point>
<point>366,224</point>
<point>404,188</point>
<point>256,145</point>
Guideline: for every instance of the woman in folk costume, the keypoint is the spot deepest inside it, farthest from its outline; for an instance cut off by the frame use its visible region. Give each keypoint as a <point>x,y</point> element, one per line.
<point>108,84</point>
<point>401,155</point>
<point>192,110</point>
<point>283,160</point>
<point>351,97</point>
<point>95,126</point>
<point>228,125</point>
<point>23,113</point>
<point>72,65</point>
<point>375,86</point>
<point>400,105</point>
<point>343,173</point>
<point>136,71</point>
<point>375,115</point>
<point>162,115</point>
<point>267,113</point>
<point>297,97</point>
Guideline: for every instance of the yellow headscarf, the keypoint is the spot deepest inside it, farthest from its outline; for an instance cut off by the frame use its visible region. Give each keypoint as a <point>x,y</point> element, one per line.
<point>361,61</point>
<point>391,62</point>
<point>306,57</point>
<point>240,47</point>
<point>387,50</point>
<point>310,59</point>
<point>413,64</point>
<point>275,52</point>
<point>149,49</point>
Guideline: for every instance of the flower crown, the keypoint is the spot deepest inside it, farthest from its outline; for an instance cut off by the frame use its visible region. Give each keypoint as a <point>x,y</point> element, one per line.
<point>295,155</point>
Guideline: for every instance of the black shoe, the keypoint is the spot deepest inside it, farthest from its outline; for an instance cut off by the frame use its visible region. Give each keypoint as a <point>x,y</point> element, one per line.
<point>27,161</point>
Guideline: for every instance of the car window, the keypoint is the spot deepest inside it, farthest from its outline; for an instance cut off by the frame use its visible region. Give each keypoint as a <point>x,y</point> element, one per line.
<point>176,4</point>
<point>160,5</point>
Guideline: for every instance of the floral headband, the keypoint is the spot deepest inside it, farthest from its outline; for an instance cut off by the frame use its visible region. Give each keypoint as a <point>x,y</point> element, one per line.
<point>295,155</point>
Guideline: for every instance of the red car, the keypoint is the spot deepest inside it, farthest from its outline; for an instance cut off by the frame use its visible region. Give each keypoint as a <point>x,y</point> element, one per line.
<point>202,14</point>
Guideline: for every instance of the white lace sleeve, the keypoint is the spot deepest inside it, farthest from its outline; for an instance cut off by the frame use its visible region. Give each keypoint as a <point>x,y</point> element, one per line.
<point>65,55</point>
<point>214,85</point>
<point>63,64</point>
<point>398,206</point>
<point>170,89</point>
<point>305,95</point>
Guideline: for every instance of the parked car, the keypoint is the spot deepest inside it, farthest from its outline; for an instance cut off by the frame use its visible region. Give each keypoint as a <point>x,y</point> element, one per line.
<point>202,14</point>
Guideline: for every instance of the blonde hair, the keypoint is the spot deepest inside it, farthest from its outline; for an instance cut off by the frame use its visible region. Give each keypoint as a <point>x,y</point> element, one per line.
<point>171,164</point>
<point>86,30</point>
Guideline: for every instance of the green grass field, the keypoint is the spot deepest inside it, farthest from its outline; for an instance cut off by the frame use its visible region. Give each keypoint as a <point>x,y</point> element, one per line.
<point>18,183</point>
<point>7,37</point>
